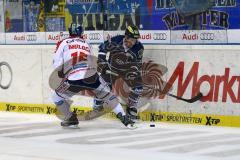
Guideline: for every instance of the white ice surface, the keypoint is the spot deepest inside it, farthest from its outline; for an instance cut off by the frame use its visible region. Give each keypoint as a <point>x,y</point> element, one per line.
<point>39,137</point>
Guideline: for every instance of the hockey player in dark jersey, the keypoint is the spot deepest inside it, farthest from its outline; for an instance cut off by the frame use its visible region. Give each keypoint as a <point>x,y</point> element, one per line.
<point>124,61</point>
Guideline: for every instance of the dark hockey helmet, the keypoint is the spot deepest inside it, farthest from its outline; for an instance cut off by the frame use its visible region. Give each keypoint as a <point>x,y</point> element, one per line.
<point>132,32</point>
<point>75,30</point>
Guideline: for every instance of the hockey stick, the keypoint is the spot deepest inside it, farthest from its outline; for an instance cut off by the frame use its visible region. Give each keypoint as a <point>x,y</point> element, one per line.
<point>191,100</point>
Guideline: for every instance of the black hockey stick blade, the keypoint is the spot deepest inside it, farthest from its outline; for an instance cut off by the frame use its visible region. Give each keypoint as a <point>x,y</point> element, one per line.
<point>191,100</point>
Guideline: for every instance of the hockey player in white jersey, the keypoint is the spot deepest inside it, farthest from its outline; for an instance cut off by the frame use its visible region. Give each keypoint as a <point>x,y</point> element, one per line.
<point>75,64</point>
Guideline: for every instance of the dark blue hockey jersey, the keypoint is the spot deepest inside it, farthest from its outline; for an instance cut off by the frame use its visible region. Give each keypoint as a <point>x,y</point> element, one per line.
<point>125,64</point>
<point>119,59</point>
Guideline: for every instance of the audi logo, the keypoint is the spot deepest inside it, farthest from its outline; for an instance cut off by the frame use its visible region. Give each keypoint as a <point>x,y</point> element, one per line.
<point>6,81</point>
<point>94,36</point>
<point>159,36</point>
<point>207,36</point>
<point>31,37</point>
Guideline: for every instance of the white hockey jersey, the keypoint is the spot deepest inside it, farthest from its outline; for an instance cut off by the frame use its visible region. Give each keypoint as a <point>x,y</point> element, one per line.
<point>75,58</point>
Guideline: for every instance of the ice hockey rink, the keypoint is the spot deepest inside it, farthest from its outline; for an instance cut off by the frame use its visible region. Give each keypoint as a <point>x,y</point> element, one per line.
<point>39,137</point>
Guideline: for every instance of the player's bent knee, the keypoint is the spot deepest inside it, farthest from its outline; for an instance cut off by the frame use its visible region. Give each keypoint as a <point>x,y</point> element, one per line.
<point>59,103</point>
<point>111,100</point>
<point>57,99</point>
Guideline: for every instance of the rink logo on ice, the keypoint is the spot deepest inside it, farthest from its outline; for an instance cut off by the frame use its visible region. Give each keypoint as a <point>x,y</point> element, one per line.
<point>212,121</point>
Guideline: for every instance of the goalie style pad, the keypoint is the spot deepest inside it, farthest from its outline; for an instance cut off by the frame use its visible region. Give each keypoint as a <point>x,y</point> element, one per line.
<point>191,7</point>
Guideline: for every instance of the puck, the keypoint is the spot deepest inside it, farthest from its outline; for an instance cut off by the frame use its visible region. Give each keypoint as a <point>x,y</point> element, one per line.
<point>152,125</point>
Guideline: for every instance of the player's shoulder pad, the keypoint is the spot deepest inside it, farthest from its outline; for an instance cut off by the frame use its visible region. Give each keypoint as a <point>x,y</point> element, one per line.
<point>64,42</point>
<point>117,39</point>
<point>60,42</point>
<point>138,49</point>
<point>139,45</point>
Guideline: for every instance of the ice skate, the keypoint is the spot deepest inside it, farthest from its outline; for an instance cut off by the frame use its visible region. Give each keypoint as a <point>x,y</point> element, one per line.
<point>71,122</point>
<point>132,113</point>
<point>126,121</point>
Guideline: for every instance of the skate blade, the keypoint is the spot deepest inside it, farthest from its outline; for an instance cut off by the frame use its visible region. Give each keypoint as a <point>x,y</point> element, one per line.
<point>136,121</point>
<point>132,127</point>
<point>71,127</point>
